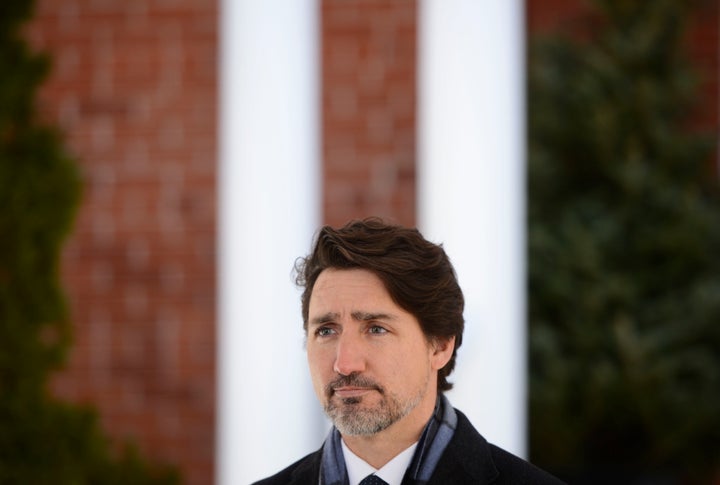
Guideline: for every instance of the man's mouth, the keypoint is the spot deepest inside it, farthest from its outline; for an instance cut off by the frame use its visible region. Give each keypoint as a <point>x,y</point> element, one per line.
<point>351,387</point>
<point>349,392</point>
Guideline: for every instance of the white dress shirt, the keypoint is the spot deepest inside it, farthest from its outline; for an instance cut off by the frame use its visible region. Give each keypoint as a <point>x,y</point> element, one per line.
<point>393,471</point>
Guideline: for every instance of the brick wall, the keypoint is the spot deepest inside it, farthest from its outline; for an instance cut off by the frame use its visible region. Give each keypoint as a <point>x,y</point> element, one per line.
<point>703,39</point>
<point>368,109</point>
<point>543,16</point>
<point>134,89</point>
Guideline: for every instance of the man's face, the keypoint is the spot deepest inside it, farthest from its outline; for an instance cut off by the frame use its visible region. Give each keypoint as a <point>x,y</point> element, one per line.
<point>370,362</point>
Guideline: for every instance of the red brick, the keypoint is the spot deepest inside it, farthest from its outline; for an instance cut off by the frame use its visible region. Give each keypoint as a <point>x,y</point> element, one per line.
<point>134,88</point>
<point>368,107</point>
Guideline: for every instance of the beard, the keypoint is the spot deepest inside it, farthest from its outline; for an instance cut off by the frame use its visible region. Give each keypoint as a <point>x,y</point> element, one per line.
<point>352,418</point>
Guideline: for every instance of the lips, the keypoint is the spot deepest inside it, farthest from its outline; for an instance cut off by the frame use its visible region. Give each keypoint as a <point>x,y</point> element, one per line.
<point>348,392</point>
<point>351,386</point>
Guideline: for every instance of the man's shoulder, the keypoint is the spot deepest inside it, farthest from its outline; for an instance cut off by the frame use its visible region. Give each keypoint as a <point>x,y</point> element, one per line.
<point>471,454</point>
<point>303,471</point>
<point>514,469</point>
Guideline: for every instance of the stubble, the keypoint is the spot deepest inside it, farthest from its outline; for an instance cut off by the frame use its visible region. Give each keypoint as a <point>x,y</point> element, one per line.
<point>355,416</point>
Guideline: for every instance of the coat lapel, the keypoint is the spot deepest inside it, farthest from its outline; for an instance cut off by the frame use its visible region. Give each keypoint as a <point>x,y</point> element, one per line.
<point>308,471</point>
<point>467,458</point>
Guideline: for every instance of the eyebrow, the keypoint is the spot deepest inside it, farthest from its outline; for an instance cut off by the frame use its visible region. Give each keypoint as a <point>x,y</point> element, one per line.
<point>327,317</point>
<point>359,316</point>
<point>367,316</point>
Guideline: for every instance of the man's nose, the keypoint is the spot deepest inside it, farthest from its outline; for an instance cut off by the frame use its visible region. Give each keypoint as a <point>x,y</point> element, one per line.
<point>350,356</point>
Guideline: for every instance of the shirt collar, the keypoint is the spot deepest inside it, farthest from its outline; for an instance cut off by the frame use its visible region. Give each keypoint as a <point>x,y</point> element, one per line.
<point>393,471</point>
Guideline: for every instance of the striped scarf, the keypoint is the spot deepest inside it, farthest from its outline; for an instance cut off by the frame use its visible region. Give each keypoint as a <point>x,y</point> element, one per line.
<point>433,441</point>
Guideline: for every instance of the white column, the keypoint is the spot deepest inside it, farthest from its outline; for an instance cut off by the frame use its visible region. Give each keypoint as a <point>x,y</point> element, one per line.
<point>471,195</point>
<point>269,193</point>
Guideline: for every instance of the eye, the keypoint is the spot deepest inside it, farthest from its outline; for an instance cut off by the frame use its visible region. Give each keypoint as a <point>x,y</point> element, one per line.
<point>377,330</point>
<point>324,331</point>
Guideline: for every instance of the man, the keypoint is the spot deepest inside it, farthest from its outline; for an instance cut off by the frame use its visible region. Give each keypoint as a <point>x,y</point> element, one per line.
<point>383,317</point>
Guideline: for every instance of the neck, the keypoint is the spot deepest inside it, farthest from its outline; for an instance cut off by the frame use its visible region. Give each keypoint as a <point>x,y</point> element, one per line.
<point>378,449</point>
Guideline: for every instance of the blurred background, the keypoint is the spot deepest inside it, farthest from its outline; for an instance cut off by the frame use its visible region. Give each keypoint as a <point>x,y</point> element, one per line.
<point>623,225</point>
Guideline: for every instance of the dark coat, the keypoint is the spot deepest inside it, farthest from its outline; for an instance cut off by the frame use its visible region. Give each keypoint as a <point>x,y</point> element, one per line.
<point>468,459</point>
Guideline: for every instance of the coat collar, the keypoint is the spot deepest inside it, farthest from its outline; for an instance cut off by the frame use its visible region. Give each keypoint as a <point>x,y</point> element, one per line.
<point>467,459</point>
<point>308,471</point>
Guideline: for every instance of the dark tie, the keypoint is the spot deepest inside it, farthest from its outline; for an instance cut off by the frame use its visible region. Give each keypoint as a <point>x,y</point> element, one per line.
<point>372,480</point>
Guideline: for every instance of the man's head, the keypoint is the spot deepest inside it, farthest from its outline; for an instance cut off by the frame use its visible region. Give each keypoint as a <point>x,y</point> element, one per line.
<point>416,273</point>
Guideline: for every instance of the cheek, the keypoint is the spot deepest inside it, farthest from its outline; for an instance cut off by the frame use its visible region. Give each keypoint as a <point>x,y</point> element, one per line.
<point>412,365</point>
<point>320,363</point>
<point>317,380</point>
<point>405,365</point>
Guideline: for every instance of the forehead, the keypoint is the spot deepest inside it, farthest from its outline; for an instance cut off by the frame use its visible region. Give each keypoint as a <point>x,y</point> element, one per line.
<point>334,285</point>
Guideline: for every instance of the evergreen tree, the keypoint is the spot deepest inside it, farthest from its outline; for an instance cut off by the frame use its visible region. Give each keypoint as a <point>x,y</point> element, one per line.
<point>624,252</point>
<point>42,440</point>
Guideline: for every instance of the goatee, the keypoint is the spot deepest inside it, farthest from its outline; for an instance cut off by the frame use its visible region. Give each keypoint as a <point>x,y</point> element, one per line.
<point>352,418</point>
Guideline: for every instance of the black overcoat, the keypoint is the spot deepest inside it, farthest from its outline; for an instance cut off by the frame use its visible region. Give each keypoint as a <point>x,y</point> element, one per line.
<point>468,459</point>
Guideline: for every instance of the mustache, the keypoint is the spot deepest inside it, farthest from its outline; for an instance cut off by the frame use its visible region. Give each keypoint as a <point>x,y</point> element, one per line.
<point>352,380</point>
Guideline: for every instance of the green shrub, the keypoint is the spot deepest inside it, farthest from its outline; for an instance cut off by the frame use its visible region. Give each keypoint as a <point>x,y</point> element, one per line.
<point>42,440</point>
<point>624,252</point>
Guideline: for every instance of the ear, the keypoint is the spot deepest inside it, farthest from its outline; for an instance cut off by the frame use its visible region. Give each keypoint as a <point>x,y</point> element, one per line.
<point>442,350</point>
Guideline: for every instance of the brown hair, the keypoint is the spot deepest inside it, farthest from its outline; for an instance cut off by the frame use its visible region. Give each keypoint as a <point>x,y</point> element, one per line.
<point>416,273</point>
